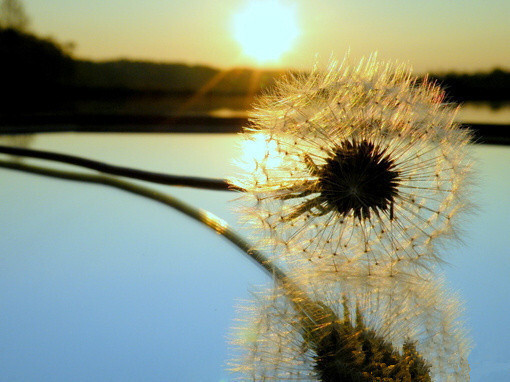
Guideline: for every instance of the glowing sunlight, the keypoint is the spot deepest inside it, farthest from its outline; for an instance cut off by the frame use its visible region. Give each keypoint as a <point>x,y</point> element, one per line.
<point>265,29</point>
<point>259,149</point>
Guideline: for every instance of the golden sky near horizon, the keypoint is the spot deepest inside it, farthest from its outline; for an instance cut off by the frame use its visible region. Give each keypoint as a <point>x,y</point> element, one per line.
<point>431,35</point>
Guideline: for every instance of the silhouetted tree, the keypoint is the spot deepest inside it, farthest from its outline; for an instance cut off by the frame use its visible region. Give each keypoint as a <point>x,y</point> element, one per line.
<point>13,16</point>
<point>30,67</point>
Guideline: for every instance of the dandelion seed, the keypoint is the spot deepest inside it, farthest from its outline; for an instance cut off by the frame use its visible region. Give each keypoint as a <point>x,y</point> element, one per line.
<point>409,332</point>
<point>365,163</point>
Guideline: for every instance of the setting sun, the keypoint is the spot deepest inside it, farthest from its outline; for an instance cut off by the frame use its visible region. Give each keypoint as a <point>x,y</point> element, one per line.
<point>265,29</point>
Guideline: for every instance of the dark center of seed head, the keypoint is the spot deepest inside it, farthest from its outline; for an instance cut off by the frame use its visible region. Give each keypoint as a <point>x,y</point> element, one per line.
<point>359,177</point>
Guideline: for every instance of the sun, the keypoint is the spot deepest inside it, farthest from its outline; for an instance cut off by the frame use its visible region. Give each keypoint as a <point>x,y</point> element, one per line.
<point>265,29</point>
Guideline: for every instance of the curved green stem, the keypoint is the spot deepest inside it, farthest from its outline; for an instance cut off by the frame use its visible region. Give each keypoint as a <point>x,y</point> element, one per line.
<point>210,220</point>
<point>312,312</point>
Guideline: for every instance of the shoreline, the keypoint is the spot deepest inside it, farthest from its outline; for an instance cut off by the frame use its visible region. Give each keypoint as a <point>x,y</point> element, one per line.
<point>110,123</point>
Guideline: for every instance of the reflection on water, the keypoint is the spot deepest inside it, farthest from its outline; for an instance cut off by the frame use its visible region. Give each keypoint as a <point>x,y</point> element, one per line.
<point>158,105</point>
<point>24,141</point>
<point>101,285</point>
<point>483,112</point>
<point>471,112</point>
<point>225,112</point>
<point>17,140</point>
<point>232,106</point>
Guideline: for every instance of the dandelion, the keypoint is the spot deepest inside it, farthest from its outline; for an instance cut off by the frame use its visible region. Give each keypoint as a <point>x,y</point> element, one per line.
<point>409,332</point>
<point>361,164</point>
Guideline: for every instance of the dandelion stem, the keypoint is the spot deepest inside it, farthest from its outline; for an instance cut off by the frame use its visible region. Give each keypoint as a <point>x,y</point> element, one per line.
<point>316,320</point>
<point>153,177</point>
<point>210,220</point>
<point>305,304</point>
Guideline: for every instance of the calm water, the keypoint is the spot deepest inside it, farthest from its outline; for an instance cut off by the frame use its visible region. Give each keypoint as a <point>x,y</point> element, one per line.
<point>98,284</point>
<point>483,112</point>
<point>472,112</point>
<point>238,106</point>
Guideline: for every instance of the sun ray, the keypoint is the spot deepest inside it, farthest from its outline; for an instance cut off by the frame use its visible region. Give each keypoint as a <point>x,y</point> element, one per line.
<point>215,80</point>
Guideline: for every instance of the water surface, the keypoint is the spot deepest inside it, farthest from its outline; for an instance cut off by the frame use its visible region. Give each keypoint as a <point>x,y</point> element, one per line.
<point>98,284</point>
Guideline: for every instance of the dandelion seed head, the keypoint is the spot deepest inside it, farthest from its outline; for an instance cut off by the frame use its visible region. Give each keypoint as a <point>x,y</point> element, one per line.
<point>362,162</point>
<point>356,179</point>
<point>365,333</point>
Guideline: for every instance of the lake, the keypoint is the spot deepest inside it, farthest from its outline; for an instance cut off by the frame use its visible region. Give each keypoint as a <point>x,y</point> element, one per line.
<point>98,284</point>
<point>483,112</point>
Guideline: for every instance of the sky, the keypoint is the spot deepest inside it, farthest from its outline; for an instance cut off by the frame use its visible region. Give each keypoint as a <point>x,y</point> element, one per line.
<point>433,35</point>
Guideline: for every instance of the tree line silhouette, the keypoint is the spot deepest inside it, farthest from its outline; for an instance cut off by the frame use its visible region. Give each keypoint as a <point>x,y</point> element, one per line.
<point>36,70</point>
<point>493,86</point>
